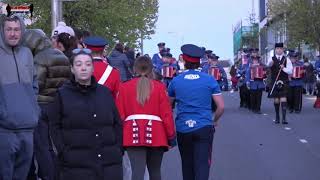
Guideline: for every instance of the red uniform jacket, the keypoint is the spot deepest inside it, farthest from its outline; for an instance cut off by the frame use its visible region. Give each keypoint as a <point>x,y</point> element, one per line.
<point>106,75</point>
<point>138,130</point>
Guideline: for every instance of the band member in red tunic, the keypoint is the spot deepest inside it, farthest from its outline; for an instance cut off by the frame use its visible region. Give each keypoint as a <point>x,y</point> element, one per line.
<point>148,128</point>
<point>104,73</point>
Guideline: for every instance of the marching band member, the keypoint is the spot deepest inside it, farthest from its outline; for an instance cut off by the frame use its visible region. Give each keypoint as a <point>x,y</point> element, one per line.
<point>280,69</point>
<point>241,74</point>
<point>157,58</point>
<point>216,70</point>
<point>104,73</point>
<point>254,81</point>
<point>194,91</point>
<point>253,53</point>
<point>295,84</point>
<point>204,61</point>
<point>148,127</point>
<point>168,68</point>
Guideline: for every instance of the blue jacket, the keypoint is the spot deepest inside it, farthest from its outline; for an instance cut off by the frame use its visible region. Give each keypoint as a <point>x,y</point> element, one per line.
<point>296,82</point>
<point>120,61</point>
<point>156,60</point>
<point>253,84</point>
<point>242,69</point>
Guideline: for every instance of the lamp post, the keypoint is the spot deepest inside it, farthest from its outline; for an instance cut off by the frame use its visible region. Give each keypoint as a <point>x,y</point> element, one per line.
<point>56,9</point>
<point>55,12</point>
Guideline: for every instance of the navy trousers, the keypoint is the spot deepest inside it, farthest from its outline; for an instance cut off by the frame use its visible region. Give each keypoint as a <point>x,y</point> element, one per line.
<point>196,151</point>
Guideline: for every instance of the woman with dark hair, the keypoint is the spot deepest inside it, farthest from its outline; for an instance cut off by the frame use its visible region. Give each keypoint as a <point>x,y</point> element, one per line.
<point>144,106</point>
<point>85,125</point>
<point>66,43</point>
<point>120,61</point>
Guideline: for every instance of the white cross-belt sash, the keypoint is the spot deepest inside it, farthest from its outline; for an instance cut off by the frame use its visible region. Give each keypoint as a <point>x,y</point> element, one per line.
<point>148,130</point>
<point>105,75</point>
<point>143,116</point>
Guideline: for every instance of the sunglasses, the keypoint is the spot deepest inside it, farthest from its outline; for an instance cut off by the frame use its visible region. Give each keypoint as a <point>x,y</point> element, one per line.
<point>81,51</point>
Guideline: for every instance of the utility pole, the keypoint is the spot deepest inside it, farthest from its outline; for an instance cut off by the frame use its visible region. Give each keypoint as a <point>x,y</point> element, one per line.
<point>55,13</point>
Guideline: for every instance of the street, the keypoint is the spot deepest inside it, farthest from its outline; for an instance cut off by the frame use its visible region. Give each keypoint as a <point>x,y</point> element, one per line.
<point>249,146</point>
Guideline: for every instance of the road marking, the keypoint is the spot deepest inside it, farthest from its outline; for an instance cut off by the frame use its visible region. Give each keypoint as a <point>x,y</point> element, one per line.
<point>265,114</point>
<point>303,141</point>
<point>287,128</point>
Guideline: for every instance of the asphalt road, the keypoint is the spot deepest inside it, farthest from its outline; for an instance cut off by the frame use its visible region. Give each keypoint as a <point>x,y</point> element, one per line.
<point>248,146</point>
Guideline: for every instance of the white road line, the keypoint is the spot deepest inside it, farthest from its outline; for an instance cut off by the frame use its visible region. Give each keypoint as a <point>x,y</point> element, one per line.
<point>303,141</point>
<point>265,114</point>
<point>287,128</point>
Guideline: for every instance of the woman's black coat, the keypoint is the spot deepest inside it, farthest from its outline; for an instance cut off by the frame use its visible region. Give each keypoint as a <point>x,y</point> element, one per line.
<point>86,129</point>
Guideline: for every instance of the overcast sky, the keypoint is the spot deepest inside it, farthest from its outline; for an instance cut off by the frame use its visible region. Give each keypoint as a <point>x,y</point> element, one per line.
<point>205,23</point>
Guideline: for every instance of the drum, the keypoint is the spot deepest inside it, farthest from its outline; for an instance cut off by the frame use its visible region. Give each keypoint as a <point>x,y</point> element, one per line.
<point>257,72</point>
<point>297,72</point>
<point>215,72</point>
<point>167,72</point>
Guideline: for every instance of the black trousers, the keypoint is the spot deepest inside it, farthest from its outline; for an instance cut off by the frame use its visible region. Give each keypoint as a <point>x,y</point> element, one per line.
<point>43,150</point>
<point>140,157</point>
<point>295,98</point>
<point>244,96</point>
<point>255,99</point>
<point>196,151</point>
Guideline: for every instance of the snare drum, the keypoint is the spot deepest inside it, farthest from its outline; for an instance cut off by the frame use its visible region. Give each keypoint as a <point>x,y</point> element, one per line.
<point>257,72</point>
<point>215,72</point>
<point>167,72</point>
<point>297,72</point>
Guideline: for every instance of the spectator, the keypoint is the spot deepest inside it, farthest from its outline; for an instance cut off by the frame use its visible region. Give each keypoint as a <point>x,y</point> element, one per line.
<point>130,55</point>
<point>52,71</point>
<point>66,43</point>
<point>310,77</point>
<point>61,28</point>
<point>19,111</point>
<point>120,61</point>
<point>86,132</point>
<point>81,35</point>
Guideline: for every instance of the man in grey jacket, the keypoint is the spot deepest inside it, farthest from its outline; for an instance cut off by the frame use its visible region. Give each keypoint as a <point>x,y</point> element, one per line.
<point>19,111</point>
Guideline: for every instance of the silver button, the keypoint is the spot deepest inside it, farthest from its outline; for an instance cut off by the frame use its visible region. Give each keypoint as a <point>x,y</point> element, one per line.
<point>97,135</point>
<point>99,155</point>
<point>94,115</point>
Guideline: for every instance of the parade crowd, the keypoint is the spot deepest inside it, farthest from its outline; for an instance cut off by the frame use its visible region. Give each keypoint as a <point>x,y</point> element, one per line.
<point>70,108</point>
